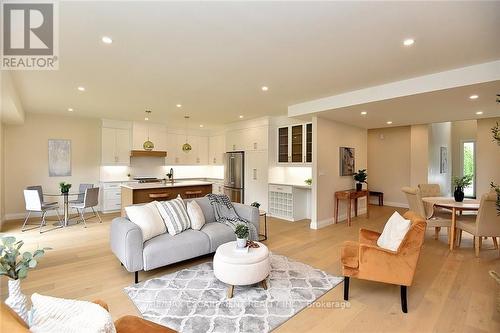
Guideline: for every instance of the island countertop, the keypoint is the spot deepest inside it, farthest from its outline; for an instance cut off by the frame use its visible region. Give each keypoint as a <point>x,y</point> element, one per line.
<point>147,186</point>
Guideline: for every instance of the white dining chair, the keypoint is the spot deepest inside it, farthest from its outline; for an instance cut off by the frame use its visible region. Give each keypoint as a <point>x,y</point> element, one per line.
<point>34,205</point>
<point>485,224</point>
<point>437,220</point>
<point>90,200</point>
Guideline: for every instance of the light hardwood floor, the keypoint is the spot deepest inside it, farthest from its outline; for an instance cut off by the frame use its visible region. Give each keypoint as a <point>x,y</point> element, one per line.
<point>452,291</point>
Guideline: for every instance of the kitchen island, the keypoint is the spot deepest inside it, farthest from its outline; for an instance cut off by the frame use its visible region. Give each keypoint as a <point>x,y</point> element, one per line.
<point>146,192</point>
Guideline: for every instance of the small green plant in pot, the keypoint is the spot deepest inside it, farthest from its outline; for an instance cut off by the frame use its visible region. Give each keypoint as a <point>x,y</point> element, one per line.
<point>255,204</point>
<point>64,187</point>
<point>241,235</point>
<point>460,183</point>
<point>15,265</point>
<point>360,178</point>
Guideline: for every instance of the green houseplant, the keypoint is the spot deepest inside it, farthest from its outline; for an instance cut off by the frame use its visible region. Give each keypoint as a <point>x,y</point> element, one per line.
<point>360,178</point>
<point>64,187</point>
<point>255,204</point>
<point>460,183</point>
<point>15,265</point>
<point>496,188</point>
<point>241,232</point>
<point>308,181</point>
<point>495,132</point>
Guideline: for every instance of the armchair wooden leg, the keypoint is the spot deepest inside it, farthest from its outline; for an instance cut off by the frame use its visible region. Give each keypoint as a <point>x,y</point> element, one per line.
<point>477,245</point>
<point>404,302</point>
<point>346,288</point>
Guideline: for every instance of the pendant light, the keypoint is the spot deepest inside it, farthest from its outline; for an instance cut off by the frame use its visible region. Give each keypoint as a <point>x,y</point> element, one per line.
<point>148,144</point>
<point>186,147</point>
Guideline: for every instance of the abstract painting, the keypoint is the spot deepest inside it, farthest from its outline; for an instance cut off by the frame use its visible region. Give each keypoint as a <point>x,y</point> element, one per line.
<point>443,160</point>
<point>59,158</point>
<point>347,162</point>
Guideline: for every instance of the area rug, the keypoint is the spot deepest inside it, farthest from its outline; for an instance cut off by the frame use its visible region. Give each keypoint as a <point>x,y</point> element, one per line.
<point>193,300</point>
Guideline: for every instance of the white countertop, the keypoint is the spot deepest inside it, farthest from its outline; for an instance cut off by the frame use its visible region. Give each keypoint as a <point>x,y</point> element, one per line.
<point>180,183</point>
<point>304,186</point>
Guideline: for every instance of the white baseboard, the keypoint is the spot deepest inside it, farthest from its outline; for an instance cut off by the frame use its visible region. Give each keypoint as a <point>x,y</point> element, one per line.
<point>330,221</point>
<point>396,204</point>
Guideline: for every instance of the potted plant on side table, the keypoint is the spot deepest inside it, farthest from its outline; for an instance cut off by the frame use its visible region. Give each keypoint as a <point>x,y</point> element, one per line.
<point>64,187</point>
<point>360,178</point>
<point>16,266</point>
<point>460,183</point>
<point>241,232</point>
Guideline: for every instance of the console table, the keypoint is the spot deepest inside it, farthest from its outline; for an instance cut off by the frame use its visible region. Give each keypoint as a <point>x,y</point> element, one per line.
<point>349,195</point>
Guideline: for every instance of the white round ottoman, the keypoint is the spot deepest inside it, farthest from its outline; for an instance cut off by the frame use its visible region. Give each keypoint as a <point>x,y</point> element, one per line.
<point>238,268</point>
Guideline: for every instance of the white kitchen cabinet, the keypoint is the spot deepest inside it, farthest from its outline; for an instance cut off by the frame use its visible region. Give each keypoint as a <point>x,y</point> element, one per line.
<point>256,177</point>
<point>111,195</point>
<point>294,144</point>
<point>156,132</point>
<point>216,150</point>
<point>115,146</point>
<point>197,156</point>
<point>288,202</point>
<point>235,140</point>
<point>247,139</point>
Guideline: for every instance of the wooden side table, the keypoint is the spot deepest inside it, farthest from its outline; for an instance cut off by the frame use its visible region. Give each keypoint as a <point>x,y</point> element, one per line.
<point>349,195</point>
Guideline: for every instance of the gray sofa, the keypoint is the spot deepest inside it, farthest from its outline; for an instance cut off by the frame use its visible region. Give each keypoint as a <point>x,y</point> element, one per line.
<point>126,240</point>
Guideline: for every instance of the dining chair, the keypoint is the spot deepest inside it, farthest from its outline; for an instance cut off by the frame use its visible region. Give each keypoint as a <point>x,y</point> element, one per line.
<point>81,193</point>
<point>429,190</point>
<point>35,205</point>
<point>39,189</point>
<point>485,224</point>
<point>437,220</point>
<point>90,200</point>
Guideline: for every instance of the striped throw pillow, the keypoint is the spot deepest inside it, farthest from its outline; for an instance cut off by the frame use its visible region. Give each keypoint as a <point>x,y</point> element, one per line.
<point>174,215</point>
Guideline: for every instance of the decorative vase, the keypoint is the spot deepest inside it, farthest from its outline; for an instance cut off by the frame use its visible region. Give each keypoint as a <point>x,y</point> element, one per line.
<point>241,243</point>
<point>359,186</point>
<point>17,300</point>
<point>459,194</point>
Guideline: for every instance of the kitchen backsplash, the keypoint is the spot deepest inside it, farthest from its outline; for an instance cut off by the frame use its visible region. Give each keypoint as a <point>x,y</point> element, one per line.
<point>289,175</point>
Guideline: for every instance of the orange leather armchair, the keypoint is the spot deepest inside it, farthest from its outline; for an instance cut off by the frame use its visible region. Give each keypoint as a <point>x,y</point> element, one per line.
<point>365,260</point>
<point>10,322</point>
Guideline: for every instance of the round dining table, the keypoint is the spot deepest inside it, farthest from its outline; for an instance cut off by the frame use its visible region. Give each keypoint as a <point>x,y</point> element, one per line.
<point>455,207</point>
<point>65,203</point>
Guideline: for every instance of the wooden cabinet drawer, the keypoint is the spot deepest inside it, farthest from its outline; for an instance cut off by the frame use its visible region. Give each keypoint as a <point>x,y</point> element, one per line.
<point>280,188</point>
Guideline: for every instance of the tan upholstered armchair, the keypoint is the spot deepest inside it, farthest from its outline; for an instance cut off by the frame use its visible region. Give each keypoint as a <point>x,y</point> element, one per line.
<point>365,260</point>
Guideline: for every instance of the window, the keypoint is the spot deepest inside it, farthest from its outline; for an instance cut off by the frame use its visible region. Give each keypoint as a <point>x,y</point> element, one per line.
<point>468,165</point>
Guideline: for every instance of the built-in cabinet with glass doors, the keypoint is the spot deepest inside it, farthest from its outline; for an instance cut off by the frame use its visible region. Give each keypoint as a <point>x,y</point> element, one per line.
<point>295,143</point>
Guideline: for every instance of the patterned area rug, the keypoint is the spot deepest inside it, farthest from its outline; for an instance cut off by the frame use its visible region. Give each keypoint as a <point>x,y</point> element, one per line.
<point>193,300</point>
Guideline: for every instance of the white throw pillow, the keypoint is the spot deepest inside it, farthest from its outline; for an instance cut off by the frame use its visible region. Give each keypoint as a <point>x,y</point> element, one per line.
<point>148,219</point>
<point>174,215</point>
<point>195,215</point>
<point>394,231</point>
<point>58,315</point>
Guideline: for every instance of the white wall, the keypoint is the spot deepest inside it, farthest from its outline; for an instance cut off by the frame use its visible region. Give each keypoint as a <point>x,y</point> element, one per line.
<point>12,111</point>
<point>26,155</point>
<point>328,137</point>
<point>440,136</point>
<point>488,156</point>
<point>389,163</point>
<point>2,178</point>
<point>419,154</point>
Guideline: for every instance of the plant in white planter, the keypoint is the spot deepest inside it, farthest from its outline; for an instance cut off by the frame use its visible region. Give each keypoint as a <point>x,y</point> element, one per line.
<point>16,265</point>
<point>241,235</point>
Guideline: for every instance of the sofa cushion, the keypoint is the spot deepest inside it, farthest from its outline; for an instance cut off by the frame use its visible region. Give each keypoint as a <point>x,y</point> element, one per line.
<point>218,234</point>
<point>175,215</point>
<point>195,215</point>
<point>394,232</point>
<point>148,219</point>
<point>167,249</point>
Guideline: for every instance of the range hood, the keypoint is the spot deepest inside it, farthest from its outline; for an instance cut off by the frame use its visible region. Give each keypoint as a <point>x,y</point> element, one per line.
<point>148,153</point>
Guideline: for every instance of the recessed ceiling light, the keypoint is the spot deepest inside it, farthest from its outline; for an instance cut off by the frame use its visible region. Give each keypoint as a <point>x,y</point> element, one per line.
<point>389,122</point>
<point>146,119</point>
<point>81,88</point>
<point>241,116</point>
<point>364,113</point>
<point>201,126</point>
<point>106,40</point>
<point>473,96</point>
<point>408,42</point>
<point>70,109</point>
<point>479,113</point>
<point>264,88</point>
<point>179,105</point>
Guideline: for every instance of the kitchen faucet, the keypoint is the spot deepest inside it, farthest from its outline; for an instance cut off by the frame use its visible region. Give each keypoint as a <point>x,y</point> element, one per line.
<point>172,175</point>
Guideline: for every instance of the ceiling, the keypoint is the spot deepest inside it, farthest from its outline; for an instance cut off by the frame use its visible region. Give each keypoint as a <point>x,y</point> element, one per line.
<point>433,107</point>
<point>213,57</point>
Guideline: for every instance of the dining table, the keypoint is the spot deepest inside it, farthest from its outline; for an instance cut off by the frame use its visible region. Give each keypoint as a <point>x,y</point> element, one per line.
<point>65,196</point>
<point>449,203</point>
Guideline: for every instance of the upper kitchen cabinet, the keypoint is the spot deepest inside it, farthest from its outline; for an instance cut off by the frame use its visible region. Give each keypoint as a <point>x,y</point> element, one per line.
<point>248,139</point>
<point>295,144</point>
<point>115,143</point>
<point>156,133</point>
<point>216,150</point>
<point>198,154</point>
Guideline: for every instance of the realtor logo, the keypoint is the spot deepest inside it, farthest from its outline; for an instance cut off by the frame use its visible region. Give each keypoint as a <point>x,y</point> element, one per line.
<point>30,39</point>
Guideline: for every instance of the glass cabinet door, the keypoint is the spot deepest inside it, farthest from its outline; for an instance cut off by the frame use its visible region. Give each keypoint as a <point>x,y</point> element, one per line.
<point>297,143</point>
<point>309,143</point>
<point>283,144</point>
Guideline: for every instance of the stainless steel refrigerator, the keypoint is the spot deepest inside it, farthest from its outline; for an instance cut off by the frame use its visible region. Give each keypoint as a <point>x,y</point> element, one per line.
<point>234,182</point>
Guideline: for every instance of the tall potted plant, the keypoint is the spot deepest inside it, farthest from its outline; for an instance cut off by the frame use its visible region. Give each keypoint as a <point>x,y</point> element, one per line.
<point>15,265</point>
<point>460,183</point>
<point>360,178</point>
<point>241,232</point>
